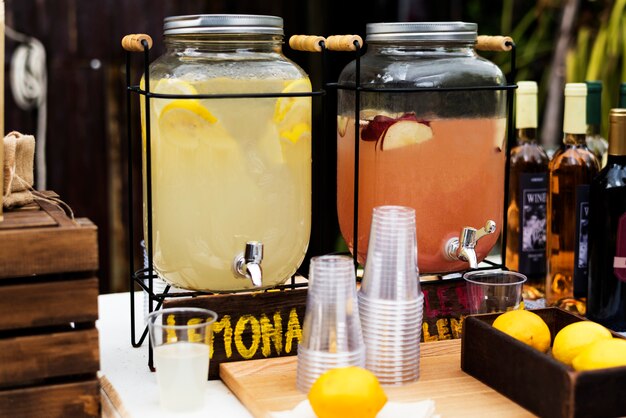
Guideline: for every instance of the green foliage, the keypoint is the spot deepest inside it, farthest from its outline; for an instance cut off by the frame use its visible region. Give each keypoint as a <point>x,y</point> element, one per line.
<point>597,50</point>
<point>605,34</point>
<point>533,25</point>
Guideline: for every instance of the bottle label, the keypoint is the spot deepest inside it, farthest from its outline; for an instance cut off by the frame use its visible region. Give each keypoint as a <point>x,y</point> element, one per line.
<point>533,200</point>
<point>619,261</point>
<point>581,250</point>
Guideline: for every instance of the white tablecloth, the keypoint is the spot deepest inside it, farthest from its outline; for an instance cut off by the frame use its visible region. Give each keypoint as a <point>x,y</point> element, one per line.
<point>126,368</point>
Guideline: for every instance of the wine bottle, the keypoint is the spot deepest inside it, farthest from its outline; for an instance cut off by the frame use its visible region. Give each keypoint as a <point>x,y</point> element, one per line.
<point>528,194</point>
<point>622,96</point>
<point>571,173</point>
<point>606,303</point>
<point>595,142</point>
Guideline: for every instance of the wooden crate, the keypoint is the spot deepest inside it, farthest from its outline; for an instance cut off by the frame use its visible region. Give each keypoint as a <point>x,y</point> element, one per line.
<point>49,352</point>
<point>535,380</point>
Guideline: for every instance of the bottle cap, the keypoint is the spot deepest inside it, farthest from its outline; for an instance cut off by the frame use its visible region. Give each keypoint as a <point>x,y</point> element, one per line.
<point>575,89</point>
<point>575,119</point>
<point>594,102</point>
<point>617,132</point>
<point>527,87</point>
<point>526,105</point>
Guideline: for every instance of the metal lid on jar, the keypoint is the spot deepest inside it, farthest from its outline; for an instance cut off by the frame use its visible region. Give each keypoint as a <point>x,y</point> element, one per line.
<point>422,31</point>
<point>226,24</point>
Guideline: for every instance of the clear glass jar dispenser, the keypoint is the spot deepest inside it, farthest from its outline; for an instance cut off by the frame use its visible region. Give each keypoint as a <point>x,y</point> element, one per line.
<point>231,177</point>
<point>440,151</point>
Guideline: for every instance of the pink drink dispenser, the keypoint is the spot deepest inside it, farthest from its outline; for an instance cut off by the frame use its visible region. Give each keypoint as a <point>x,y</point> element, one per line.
<point>432,126</point>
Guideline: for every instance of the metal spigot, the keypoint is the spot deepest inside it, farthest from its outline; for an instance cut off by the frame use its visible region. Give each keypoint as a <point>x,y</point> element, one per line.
<point>247,265</point>
<point>463,248</point>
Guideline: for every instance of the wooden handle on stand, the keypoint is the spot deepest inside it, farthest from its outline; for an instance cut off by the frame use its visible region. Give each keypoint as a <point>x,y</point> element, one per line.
<point>494,43</point>
<point>307,43</point>
<point>132,43</point>
<point>343,42</point>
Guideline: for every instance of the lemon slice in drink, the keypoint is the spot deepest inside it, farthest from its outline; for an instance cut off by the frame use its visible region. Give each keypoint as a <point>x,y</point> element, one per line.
<point>168,86</point>
<point>285,104</point>
<point>292,115</point>
<point>296,132</point>
<point>185,123</point>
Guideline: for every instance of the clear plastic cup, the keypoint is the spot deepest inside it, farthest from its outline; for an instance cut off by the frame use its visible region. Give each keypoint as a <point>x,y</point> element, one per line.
<point>391,305</point>
<point>312,365</point>
<point>386,349</point>
<point>494,291</point>
<point>398,380</point>
<point>180,337</point>
<point>375,313</point>
<point>404,340</point>
<point>311,356</point>
<point>391,267</point>
<point>332,322</point>
<point>385,312</point>
<point>395,378</point>
<point>400,317</point>
<point>400,336</point>
<point>331,334</point>
<point>397,372</point>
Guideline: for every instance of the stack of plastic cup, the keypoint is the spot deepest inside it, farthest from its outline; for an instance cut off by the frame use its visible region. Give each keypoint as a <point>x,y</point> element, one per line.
<point>331,335</point>
<point>390,299</point>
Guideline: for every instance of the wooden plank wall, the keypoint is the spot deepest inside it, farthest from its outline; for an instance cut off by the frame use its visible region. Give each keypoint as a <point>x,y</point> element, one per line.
<point>85,153</point>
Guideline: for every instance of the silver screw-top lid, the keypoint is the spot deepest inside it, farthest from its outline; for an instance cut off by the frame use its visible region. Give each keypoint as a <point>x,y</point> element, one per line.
<point>178,25</point>
<point>422,31</point>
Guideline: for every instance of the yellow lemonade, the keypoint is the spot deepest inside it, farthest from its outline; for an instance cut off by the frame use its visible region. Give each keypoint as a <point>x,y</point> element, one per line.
<point>228,171</point>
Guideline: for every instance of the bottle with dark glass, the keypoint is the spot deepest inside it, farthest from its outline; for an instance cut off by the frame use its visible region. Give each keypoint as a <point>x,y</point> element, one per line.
<point>571,173</point>
<point>606,303</point>
<point>528,194</point>
<point>622,96</point>
<point>595,142</point>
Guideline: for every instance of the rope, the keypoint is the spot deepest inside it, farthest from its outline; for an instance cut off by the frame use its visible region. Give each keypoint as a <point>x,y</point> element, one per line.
<point>29,85</point>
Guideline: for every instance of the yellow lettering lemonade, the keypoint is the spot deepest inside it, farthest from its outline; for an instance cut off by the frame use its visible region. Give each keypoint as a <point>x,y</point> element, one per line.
<point>228,171</point>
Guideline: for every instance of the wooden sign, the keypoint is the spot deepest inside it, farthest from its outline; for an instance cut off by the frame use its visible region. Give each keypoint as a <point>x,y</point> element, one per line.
<point>251,325</point>
<point>269,324</point>
<point>445,308</point>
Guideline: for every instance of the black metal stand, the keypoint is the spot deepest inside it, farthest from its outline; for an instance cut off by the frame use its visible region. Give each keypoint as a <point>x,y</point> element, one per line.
<point>141,276</point>
<point>357,89</point>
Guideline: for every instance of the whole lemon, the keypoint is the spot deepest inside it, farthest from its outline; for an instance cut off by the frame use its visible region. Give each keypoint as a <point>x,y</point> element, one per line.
<point>526,326</point>
<point>347,392</point>
<point>574,338</point>
<point>602,354</point>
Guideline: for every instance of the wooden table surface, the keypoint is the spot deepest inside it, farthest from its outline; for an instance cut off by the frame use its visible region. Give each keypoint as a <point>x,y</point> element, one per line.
<point>270,385</point>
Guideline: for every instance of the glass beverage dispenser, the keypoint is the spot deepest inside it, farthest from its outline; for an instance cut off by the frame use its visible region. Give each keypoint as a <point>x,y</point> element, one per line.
<point>440,150</point>
<point>231,177</point>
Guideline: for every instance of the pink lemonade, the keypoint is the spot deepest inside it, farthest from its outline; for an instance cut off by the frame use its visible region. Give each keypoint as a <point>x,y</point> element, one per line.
<point>452,175</point>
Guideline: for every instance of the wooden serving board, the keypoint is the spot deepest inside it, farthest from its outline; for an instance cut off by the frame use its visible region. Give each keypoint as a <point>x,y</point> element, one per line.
<point>270,385</point>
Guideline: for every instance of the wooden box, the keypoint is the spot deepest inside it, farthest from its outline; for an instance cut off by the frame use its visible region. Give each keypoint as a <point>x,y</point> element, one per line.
<point>535,380</point>
<point>49,352</point>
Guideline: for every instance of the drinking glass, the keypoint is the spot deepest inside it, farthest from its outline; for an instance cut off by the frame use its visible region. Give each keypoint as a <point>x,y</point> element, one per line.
<point>180,337</point>
<point>494,291</point>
